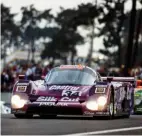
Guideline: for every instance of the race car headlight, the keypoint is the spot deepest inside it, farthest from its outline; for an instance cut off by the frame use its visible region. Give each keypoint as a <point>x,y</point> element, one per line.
<point>17,102</point>
<point>92,105</point>
<point>101,101</point>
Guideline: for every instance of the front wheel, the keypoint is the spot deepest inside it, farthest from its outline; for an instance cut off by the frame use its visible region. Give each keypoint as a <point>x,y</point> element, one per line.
<point>21,116</point>
<point>111,110</point>
<point>111,105</point>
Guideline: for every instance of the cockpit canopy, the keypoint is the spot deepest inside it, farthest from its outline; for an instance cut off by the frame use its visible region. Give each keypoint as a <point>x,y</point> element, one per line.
<point>71,75</point>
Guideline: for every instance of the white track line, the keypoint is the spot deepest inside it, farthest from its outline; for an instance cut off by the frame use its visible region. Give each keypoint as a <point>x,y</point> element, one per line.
<point>105,131</point>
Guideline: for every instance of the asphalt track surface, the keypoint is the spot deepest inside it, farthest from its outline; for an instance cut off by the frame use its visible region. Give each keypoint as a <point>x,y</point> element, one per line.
<point>69,125</point>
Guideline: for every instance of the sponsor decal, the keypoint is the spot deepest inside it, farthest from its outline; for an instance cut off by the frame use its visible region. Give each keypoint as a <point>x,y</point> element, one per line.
<point>47,103</point>
<point>62,104</point>
<point>71,67</point>
<point>53,99</point>
<point>68,93</point>
<point>100,90</point>
<point>23,84</point>
<point>52,104</point>
<point>44,98</point>
<point>58,87</point>
<point>116,95</point>
<point>119,107</point>
<point>69,99</point>
<point>21,88</point>
<point>101,113</point>
<point>122,94</point>
<point>88,113</point>
<point>85,88</point>
<point>117,84</point>
<point>129,94</point>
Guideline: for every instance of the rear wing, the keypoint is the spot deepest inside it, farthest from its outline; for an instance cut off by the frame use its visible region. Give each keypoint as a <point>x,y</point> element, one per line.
<point>120,79</point>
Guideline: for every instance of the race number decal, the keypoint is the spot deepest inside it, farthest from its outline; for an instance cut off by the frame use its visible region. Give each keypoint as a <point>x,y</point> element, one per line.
<point>21,88</point>
<point>100,90</point>
<point>68,93</point>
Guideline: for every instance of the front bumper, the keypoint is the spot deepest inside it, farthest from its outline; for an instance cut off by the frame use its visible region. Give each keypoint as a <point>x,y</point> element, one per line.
<point>59,109</point>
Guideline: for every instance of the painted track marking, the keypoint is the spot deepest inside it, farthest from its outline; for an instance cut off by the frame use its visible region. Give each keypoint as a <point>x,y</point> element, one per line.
<point>105,131</point>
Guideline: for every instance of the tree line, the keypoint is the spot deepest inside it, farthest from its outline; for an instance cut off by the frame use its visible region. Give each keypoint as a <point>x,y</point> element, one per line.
<point>107,19</point>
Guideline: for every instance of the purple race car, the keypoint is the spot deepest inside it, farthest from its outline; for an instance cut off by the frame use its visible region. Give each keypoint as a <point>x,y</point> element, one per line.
<point>73,90</point>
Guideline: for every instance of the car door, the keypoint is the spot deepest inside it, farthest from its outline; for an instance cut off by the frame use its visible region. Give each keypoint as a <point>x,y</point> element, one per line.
<point>125,98</point>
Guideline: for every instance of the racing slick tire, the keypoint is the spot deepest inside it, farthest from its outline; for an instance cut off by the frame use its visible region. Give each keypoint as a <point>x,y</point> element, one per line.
<point>111,105</point>
<point>22,116</point>
<point>111,110</point>
<point>47,116</point>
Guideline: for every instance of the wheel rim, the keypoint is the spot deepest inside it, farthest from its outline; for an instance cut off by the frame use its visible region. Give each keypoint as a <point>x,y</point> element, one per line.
<point>111,109</point>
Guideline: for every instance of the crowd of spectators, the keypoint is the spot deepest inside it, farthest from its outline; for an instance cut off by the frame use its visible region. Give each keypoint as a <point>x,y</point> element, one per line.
<point>137,72</point>
<point>10,74</point>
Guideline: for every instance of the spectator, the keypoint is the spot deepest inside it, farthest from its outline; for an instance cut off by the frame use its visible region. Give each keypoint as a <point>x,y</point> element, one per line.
<point>29,73</point>
<point>38,72</point>
<point>47,69</point>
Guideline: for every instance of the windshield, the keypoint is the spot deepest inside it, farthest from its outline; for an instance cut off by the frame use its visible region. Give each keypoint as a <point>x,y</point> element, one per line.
<point>71,76</point>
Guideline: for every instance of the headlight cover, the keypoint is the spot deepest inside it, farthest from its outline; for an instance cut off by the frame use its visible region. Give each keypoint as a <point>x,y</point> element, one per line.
<point>92,105</point>
<point>17,102</point>
<point>102,100</point>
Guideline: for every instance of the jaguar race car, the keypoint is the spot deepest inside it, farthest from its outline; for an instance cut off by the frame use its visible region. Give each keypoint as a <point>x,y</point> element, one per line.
<point>73,90</point>
<point>138,98</point>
